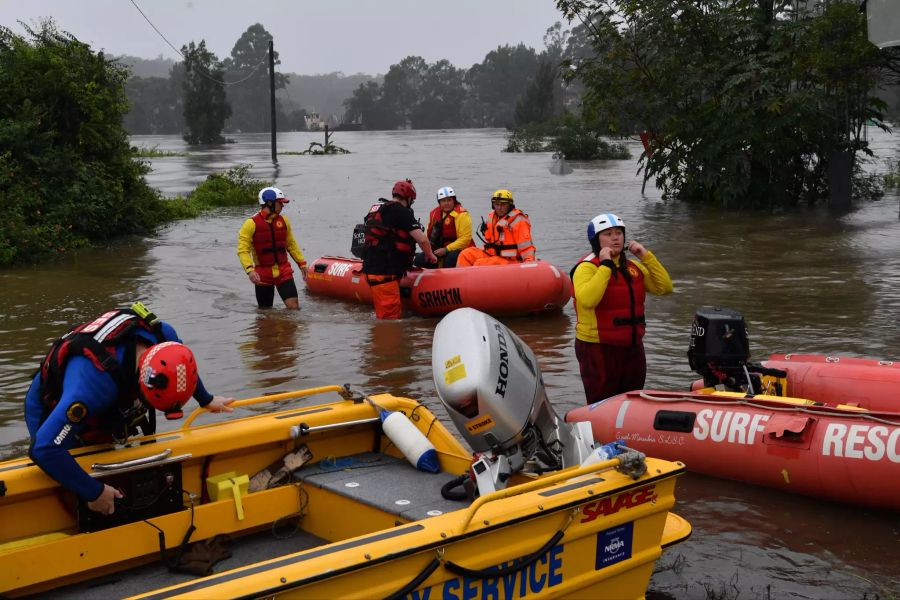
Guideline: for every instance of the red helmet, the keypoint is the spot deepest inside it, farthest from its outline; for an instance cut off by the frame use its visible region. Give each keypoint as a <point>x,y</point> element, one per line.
<point>405,189</point>
<point>167,377</point>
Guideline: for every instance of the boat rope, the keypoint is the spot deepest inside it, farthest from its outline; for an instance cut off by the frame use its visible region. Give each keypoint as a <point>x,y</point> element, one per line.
<point>299,514</point>
<point>732,401</point>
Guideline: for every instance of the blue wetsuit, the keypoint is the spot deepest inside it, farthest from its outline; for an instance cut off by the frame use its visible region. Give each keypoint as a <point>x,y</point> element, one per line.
<point>99,393</point>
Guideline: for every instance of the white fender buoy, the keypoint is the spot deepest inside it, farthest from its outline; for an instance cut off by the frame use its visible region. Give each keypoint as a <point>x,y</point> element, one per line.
<point>417,449</point>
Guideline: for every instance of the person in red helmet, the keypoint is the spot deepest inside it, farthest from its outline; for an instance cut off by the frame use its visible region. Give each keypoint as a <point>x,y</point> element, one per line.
<point>264,243</point>
<point>392,233</point>
<point>101,383</point>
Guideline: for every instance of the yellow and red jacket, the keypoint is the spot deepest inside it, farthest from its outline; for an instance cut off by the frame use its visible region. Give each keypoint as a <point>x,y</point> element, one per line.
<point>509,236</point>
<point>454,228</point>
<point>610,308</point>
<point>264,243</point>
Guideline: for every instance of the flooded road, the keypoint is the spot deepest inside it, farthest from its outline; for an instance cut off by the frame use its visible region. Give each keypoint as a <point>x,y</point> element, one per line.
<point>806,282</point>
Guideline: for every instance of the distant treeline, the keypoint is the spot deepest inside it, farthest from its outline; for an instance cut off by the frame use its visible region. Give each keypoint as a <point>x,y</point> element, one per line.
<point>413,94</point>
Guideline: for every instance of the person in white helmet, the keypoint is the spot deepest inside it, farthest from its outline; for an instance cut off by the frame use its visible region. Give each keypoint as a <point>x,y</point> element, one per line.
<point>449,230</point>
<point>264,242</point>
<point>609,302</point>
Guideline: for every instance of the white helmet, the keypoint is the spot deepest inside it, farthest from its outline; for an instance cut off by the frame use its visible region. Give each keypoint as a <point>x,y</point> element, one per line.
<point>603,222</point>
<point>445,192</point>
<point>271,194</point>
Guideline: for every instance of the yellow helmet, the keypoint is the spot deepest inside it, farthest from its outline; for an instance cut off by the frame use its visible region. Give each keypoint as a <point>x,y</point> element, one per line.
<point>502,196</point>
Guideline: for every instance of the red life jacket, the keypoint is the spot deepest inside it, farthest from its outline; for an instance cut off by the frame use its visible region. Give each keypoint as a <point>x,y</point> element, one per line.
<point>442,229</point>
<point>620,314</point>
<point>270,241</point>
<point>97,341</point>
<point>380,236</point>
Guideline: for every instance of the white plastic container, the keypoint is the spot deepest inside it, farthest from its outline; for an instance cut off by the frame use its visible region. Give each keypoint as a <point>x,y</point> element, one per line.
<point>410,441</point>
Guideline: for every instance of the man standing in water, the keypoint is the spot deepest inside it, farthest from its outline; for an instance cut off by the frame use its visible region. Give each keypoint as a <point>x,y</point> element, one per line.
<point>392,233</point>
<point>609,301</point>
<point>264,242</point>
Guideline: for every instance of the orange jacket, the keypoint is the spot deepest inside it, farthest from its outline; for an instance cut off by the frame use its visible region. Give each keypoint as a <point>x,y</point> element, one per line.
<point>509,236</point>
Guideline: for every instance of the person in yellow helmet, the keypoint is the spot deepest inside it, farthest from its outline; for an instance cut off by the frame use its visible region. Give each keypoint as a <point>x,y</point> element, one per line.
<point>507,235</point>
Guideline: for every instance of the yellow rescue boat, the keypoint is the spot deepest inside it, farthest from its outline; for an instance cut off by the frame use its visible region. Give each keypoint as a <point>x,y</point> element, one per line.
<point>364,522</point>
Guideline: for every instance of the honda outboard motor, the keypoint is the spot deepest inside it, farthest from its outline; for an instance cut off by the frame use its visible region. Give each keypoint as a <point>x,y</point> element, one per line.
<point>491,384</point>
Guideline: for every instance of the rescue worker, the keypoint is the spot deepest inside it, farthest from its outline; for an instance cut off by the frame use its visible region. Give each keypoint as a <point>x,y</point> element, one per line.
<point>100,383</point>
<point>609,302</point>
<point>449,230</point>
<point>264,242</point>
<point>507,236</point>
<point>392,233</point>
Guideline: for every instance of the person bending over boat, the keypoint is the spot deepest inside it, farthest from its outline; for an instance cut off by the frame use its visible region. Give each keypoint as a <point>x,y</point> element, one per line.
<point>100,383</point>
<point>609,301</point>
<point>507,236</point>
<point>392,233</point>
<point>449,230</point>
<point>264,242</point>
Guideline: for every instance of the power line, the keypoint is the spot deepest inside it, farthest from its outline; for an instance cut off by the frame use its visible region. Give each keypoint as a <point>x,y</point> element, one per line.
<point>202,72</point>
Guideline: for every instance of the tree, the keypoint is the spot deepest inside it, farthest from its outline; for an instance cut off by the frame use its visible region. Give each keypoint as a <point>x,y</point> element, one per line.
<point>538,103</point>
<point>402,89</point>
<point>205,106</point>
<point>745,101</point>
<point>440,102</point>
<point>248,70</point>
<point>498,82</point>
<point>156,106</point>
<point>67,176</point>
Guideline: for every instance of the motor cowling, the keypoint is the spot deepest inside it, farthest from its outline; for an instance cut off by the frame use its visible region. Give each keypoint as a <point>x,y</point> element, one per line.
<point>720,347</point>
<point>491,385</point>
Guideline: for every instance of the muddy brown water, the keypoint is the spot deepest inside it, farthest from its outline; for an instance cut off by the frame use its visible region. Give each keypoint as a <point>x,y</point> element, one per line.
<point>809,281</point>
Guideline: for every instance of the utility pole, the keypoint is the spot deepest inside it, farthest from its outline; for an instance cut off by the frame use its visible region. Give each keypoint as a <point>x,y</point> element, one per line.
<point>272,97</point>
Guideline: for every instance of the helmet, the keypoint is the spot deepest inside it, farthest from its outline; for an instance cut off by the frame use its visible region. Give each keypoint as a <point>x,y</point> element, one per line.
<point>167,377</point>
<point>603,222</point>
<point>445,192</point>
<point>270,194</point>
<point>503,196</point>
<point>405,189</point>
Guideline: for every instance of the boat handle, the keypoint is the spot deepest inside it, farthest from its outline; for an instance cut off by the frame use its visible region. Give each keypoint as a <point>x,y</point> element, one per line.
<point>271,398</point>
<point>135,462</point>
<point>524,488</point>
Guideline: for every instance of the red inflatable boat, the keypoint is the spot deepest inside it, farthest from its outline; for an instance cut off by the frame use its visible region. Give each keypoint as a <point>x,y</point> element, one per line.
<point>838,453</point>
<point>812,424</point>
<point>516,289</point>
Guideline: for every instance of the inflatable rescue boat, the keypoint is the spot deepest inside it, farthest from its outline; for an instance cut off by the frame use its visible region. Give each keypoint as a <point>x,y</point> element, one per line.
<point>365,496</point>
<point>505,290</point>
<point>821,426</point>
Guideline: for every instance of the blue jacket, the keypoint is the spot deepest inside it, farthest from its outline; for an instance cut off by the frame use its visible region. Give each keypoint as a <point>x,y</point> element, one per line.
<point>52,438</point>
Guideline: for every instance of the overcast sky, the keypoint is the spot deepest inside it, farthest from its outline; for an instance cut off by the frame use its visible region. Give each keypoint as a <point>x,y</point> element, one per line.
<point>311,36</point>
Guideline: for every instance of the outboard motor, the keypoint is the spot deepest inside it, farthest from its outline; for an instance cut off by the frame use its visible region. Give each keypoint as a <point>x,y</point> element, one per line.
<point>720,351</point>
<point>491,385</point>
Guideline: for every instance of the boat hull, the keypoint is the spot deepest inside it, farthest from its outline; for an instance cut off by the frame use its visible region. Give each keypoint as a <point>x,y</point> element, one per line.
<point>516,289</point>
<point>837,454</point>
<point>587,530</point>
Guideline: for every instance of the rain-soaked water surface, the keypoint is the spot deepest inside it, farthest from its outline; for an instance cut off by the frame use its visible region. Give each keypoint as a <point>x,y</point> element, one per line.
<point>805,282</point>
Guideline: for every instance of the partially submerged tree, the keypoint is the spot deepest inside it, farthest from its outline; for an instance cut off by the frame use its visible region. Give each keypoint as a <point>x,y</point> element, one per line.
<point>205,106</point>
<point>67,175</point>
<point>746,102</point>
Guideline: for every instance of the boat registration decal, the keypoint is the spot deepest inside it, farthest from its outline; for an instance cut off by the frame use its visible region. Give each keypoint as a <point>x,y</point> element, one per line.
<point>480,424</point>
<point>535,579</point>
<point>614,545</point>
<point>338,269</point>
<point>447,297</point>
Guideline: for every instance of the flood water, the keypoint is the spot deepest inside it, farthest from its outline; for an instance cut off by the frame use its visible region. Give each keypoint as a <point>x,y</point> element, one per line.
<point>806,282</point>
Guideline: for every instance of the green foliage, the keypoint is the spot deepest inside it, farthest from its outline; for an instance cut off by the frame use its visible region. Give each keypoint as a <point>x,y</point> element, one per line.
<point>205,106</point>
<point>538,103</point>
<point>577,140</point>
<point>234,187</point>
<point>249,64</point>
<point>154,152</point>
<point>317,149</point>
<point>531,138</point>
<point>67,176</point>
<point>745,102</point>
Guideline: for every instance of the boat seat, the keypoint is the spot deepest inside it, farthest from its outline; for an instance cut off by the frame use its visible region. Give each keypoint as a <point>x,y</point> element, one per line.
<point>384,482</point>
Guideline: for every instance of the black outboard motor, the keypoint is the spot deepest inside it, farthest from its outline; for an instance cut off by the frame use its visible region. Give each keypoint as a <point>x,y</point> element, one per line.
<point>720,348</point>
